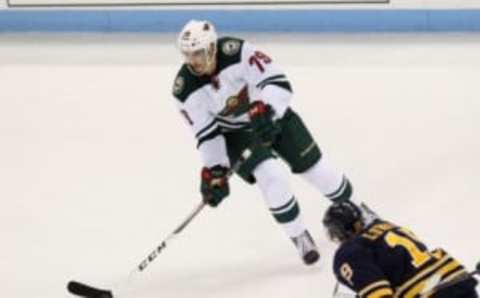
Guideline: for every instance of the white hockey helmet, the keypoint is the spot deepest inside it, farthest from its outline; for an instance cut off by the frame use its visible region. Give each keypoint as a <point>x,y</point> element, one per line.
<point>198,36</point>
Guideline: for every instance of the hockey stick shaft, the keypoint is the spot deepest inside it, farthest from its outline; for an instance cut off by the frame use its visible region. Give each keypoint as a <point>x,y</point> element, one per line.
<point>154,254</point>
<point>84,290</point>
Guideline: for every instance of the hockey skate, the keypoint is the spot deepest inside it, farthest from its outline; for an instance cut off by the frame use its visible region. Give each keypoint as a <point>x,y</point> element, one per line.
<point>306,248</point>
<point>368,215</point>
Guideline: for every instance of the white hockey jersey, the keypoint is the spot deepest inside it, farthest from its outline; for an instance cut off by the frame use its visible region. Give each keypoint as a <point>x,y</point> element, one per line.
<point>215,104</point>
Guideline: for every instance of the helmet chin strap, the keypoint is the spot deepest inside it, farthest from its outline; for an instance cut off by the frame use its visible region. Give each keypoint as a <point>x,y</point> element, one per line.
<point>211,67</point>
<point>211,60</point>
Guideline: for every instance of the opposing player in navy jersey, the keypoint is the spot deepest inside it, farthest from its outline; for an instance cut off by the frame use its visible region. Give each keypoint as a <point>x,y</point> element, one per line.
<point>234,96</point>
<point>383,260</point>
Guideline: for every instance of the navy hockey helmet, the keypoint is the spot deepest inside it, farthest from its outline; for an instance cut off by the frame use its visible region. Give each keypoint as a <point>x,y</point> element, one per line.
<point>340,219</point>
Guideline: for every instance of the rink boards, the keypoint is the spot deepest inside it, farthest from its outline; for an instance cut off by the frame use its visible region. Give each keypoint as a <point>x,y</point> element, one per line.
<point>145,20</point>
<point>175,3</point>
<point>240,15</point>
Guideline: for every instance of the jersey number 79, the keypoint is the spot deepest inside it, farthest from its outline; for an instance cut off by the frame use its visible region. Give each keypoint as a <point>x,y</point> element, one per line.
<point>257,59</point>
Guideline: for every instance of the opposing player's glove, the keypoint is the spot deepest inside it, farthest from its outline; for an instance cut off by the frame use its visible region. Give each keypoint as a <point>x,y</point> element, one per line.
<point>261,119</point>
<point>214,185</point>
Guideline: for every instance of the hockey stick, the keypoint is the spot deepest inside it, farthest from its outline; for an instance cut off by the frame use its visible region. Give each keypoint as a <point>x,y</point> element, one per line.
<point>81,289</point>
<point>337,294</point>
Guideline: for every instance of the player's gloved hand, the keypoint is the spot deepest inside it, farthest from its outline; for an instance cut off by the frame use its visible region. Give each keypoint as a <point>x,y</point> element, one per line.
<point>261,119</point>
<point>214,186</point>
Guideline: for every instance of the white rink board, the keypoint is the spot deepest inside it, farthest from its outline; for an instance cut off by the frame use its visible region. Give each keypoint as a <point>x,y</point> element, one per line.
<point>193,2</point>
<point>337,4</point>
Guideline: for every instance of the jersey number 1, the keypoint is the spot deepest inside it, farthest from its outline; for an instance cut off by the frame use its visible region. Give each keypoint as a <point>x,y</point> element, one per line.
<point>419,257</point>
<point>257,59</point>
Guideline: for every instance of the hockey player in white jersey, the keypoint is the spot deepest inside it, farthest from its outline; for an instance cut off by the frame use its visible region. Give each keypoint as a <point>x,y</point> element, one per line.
<point>234,96</point>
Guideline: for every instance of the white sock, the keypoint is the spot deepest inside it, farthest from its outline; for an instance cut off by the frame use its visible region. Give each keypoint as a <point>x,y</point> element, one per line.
<point>330,182</point>
<point>272,179</point>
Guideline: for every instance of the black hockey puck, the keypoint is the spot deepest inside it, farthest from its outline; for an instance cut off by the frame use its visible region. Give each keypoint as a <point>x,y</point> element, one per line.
<point>83,290</point>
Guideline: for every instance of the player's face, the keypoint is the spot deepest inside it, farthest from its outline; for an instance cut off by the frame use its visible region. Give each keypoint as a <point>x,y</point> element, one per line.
<point>197,60</point>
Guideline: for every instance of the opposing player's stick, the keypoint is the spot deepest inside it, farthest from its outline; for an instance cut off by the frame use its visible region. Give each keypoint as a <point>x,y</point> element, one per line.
<point>81,289</point>
<point>337,294</point>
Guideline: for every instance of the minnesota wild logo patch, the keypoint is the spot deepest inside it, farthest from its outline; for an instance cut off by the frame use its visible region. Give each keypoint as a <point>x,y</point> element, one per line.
<point>232,103</point>
<point>178,85</point>
<point>231,47</point>
<point>236,104</point>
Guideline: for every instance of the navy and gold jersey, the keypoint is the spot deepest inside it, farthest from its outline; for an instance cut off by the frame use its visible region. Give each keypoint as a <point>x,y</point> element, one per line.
<point>387,260</point>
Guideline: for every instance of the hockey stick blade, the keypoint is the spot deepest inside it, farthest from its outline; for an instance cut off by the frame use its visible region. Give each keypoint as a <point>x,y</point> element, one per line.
<point>83,290</point>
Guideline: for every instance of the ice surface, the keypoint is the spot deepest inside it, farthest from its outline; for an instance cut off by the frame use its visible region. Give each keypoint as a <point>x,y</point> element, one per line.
<point>97,167</point>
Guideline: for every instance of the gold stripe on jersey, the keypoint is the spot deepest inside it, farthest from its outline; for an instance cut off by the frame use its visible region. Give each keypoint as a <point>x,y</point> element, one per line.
<point>372,286</point>
<point>380,293</point>
<point>416,285</point>
<point>455,275</point>
<point>443,271</point>
<point>419,277</point>
<point>450,267</point>
<point>417,290</point>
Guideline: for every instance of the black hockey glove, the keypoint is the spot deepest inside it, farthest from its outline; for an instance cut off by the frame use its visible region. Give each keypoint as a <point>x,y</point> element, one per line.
<point>214,186</point>
<point>261,119</point>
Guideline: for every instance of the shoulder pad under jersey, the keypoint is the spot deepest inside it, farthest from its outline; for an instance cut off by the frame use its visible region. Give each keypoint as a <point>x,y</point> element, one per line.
<point>186,83</point>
